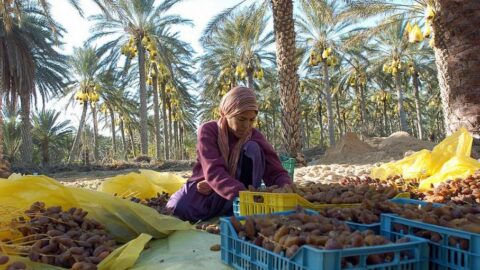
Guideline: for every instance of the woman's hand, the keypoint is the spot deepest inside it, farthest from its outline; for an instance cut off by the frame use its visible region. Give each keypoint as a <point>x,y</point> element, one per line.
<point>204,188</point>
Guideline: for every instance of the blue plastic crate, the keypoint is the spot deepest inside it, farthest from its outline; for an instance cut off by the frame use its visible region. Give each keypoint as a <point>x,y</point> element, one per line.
<point>242,254</point>
<point>376,226</point>
<point>413,201</point>
<point>363,227</point>
<point>443,256</point>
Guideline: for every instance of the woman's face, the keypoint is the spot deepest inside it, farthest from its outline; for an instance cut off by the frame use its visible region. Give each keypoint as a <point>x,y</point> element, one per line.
<point>242,124</point>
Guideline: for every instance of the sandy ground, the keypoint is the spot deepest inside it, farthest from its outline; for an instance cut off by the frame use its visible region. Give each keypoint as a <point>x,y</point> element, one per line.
<point>351,156</point>
<point>316,173</point>
<point>91,180</point>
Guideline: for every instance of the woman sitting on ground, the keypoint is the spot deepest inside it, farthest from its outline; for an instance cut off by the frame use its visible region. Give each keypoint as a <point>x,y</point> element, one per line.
<point>231,155</point>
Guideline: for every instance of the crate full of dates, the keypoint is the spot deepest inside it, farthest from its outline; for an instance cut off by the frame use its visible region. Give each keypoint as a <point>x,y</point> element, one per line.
<point>301,240</point>
<point>453,233</point>
<point>61,238</point>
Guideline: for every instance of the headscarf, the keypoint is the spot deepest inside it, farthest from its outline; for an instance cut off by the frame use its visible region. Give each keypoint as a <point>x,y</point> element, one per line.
<point>238,100</point>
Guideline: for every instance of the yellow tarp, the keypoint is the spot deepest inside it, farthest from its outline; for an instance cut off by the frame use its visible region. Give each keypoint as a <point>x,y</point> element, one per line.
<point>124,220</point>
<point>448,160</point>
<point>144,185</point>
<point>125,256</point>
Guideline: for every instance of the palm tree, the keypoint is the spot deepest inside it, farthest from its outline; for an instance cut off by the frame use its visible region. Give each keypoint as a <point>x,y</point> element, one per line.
<point>12,137</point>
<point>236,50</point>
<point>39,24</point>
<point>420,64</point>
<point>30,63</point>
<point>1,125</point>
<point>356,77</point>
<point>84,62</point>
<point>133,22</point>
<point>116,102</point>
<point>171,66</point>
<point>452,53</point>
<point>321,25</point>
<point>284,28</point>
<point>390,49</point>
<point>49,133</point>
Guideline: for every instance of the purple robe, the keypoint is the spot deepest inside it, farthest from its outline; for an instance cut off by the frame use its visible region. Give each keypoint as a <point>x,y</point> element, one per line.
<point>258,161</point>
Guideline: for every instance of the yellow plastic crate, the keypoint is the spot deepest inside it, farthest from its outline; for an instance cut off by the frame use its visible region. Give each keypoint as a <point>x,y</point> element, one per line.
<point>253,203</point>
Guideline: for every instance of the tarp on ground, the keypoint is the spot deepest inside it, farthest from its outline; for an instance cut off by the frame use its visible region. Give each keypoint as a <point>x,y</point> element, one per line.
<point>450,159</point>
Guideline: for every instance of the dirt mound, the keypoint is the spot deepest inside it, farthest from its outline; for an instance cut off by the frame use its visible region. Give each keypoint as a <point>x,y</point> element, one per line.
<point>349,144</point>
<point>397,144</point>
<point>351,150</point>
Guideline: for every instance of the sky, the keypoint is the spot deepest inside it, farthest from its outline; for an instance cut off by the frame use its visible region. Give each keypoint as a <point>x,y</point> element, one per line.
<point>78,31</point>
<point>199,11</point>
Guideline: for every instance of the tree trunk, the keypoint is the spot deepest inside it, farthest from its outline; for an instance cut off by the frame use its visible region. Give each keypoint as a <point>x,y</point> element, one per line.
<point>45,155</point>
<point>320,122</point>
<point>12,104</point>
<point>457,58</point>
<point>26,148</point>
<point>175,136</point>
<point>182,142</point>
<point>124,141</point>
<point>96,155</point>
<point>417,105</point>
<point>143,99</point>
<point>307,130</point>
<point>85,149</point>
<point>114,139</point>
<point>363,110</point>
<point>328,97</point>
<point>339,115</point>
<point>401,111</point>
<point>250,78</point>
<point>344,117</point>
<point>1,126</point>
<point>156,117</point>
<point>132,141</point>
<point>170,131</point>
<point>385,118</point>
<point>284,29</point>
<point>412,123</point>
<point>267,127</point>
<point>274,120</point>
<point>76,142</point>
<point>166,147</point>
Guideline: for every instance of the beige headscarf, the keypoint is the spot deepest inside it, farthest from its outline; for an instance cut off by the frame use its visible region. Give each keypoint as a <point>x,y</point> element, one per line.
<point>238,100</point>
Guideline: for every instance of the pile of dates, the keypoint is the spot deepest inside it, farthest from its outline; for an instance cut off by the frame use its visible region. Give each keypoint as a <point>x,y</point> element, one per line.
<point>397,182</point>
<point>457,191</point>
<point>62,238</point>
<point>335,193</point>
<point>159,203</point>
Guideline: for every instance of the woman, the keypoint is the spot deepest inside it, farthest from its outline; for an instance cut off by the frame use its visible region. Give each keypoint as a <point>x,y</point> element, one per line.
<point>231,155</point>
